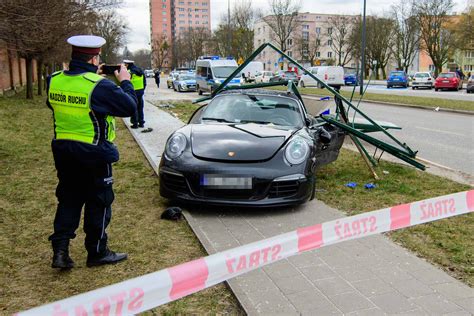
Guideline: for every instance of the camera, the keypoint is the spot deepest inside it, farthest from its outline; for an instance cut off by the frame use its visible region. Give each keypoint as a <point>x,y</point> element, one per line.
<point>110,69</point>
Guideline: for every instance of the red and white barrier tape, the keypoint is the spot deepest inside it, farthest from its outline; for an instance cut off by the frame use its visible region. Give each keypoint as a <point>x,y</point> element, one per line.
<point>154,289</point>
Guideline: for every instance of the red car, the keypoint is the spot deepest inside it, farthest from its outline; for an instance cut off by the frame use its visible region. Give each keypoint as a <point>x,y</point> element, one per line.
<point>448,80</point>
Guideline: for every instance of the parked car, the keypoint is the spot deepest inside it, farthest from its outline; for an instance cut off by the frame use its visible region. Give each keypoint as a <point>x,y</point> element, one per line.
<point>171,77</point>
<point>282,75</point>
<point>149,73</point>
<point>251,147</point>
<point>422,80</point>
<point>448,80</point>
<point>470,84</point>
<point>351,80</point>
<point>330,75</point>
<point>397,78</point>
<point>184,82</point>
<point>263,76</point>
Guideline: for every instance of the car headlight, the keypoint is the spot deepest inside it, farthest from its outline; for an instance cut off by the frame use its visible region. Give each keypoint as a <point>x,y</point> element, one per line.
<point>296,151</point>
<point>183,85</point>
<point>176,145</point>
<point>217,81</point>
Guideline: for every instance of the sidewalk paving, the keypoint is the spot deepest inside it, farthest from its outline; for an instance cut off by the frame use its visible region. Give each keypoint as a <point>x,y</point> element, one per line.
<point>371,276</point>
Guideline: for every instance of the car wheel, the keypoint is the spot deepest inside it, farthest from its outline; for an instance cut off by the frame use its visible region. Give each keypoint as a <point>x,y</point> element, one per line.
<point>413,88</point>
<point>179,89</point>
<point>388,87</point>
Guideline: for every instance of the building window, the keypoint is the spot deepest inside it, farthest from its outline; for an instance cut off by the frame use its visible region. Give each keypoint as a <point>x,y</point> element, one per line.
<point>164,12</point>
<point>197,22</point>
<point>196,3</point>
<point>469,54</point>
<point>166,62</point>
<point>318,54</point>
<point>204,16</point>
<point>329,30</point>
<point>181,15</point>
<point>196,16</point>
<point>204,10</point>
<point>181,9</point>
<point>181,22</point>
<point>164,6</point>
<point>204,4</point>
<point>305,36</point>
<point>318,42</point>
<point>318,30</point>
<point>196,10</point>
<point>305,27</point>
<point>431,67</point>
<point>289,42</point>
<point>181,2</point>
<point>290,53</point>
<point>330,42</point>
<point>264,29</point>
<point>190,3</point>
<point>329,54</point>
<point>468,67</point>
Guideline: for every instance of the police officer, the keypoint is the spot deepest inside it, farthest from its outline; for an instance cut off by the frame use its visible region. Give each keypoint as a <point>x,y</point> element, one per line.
<point>138,80</point>
<point>84,105</point>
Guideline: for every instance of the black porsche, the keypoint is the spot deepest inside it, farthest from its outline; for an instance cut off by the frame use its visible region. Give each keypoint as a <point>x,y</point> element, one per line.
<point>248,148</point>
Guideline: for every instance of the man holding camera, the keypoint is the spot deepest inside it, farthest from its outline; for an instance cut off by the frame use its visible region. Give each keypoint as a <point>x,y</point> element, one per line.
<point>138,80</point>
<point>84,106</point>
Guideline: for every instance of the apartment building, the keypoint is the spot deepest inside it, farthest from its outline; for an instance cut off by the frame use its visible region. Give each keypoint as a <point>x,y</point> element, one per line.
<point>313,27</point>
<point>170,18</point>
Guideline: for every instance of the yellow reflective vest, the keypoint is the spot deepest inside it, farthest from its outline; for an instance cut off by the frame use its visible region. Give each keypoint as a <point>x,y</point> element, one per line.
<point>70,97</point>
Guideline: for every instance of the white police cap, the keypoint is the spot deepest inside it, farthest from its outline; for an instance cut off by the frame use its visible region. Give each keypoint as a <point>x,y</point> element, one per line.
<point>128,61</point>
<point>86,43</point>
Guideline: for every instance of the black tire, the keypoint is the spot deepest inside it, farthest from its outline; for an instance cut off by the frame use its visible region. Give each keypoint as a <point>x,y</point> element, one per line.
<point>388,87</point>
<point>413,88</point>
<point>179,89</point>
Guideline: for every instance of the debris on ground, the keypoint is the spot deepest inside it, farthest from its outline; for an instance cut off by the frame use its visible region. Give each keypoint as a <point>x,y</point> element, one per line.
<point>370,186</point>
<point>351,184</point>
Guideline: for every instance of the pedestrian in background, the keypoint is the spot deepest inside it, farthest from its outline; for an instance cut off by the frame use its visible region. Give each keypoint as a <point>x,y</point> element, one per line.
<point>157,78</point>
<point>84,106</point>
<point>138,80</point>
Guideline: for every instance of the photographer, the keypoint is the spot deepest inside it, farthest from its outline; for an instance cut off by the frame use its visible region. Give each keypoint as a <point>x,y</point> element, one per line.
<point>84,105</point>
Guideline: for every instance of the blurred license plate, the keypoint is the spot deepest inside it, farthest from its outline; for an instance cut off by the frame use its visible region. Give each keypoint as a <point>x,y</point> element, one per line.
<point>219,182</point>
<point>446,81</point>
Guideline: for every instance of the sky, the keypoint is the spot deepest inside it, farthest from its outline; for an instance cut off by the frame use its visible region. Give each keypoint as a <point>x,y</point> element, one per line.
<point>137,14</point>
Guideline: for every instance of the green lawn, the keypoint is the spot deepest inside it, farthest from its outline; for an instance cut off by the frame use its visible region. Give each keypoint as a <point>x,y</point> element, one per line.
<point>393,98</point>
<point>448,243</point>
<point>27,207</point>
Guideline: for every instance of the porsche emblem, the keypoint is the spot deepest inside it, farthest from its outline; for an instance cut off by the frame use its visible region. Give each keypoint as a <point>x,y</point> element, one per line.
<point>231,154</point>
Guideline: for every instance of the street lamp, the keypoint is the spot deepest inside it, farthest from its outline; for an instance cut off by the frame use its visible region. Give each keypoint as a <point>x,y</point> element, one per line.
<point>362,54</point>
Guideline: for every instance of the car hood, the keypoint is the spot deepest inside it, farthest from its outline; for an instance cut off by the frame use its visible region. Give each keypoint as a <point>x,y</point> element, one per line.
<point>239,142</point>
<point>187,81</point>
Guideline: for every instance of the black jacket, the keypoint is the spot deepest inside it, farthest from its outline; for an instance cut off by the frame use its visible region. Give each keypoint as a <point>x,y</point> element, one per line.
<point>106,99</point>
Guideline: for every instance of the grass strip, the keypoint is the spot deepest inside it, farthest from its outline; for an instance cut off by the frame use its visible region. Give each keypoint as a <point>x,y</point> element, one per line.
<point>395,99</point>
<point>27,207</point>
<point>448,243</point>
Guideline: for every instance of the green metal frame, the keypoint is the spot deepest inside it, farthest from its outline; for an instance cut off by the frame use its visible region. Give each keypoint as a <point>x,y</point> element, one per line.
<point>405,153</point>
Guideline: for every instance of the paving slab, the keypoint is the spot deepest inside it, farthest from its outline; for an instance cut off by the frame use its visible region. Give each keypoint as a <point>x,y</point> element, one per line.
<point>370,276</point>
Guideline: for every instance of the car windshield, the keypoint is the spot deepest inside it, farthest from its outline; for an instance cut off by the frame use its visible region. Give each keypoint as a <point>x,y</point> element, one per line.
<point>290,73</point>
<point>186,77</point>
<point>259,109</point>
<point>446,75</point>
<point>223,72</point>
<point>422,75</point>
<point>397,73</point>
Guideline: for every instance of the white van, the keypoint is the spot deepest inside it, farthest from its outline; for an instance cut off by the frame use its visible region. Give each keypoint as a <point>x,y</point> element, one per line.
<point>211,71</point>
<point>331,75</point>
<point>251,70</point>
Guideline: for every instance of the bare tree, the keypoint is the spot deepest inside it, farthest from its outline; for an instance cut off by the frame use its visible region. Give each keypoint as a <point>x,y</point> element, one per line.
<point>283,21</point>
<point>191,44</point>
<point>244,17</point>
<point>406,35</point>
<point>113,28</point>
<point>161,50</point>
<point>436,39</point>
<point>379,34</point>
<point>462,30</point>
<point>38,29</point>
<point>339,36</point>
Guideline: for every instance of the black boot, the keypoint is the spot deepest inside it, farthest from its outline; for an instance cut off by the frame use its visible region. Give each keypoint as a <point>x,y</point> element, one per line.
<point>106,257</point>
<point>61,260</point>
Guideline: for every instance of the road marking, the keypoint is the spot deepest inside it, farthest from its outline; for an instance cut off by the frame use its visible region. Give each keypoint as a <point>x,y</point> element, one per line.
<point>439,131</point>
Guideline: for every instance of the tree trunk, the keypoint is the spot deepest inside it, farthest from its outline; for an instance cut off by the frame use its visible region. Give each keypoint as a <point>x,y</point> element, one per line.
<point>10,66</point>
<point>39,72</point>
<point>19,69</point>
<point>29,77</point>
<point>384,73</point>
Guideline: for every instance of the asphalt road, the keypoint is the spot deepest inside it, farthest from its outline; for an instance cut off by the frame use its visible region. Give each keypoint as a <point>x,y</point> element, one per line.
<point>441,137</point>
<point>423,92</point>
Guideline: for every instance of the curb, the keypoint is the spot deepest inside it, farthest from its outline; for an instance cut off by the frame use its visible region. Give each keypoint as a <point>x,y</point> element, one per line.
<point>406,105</point>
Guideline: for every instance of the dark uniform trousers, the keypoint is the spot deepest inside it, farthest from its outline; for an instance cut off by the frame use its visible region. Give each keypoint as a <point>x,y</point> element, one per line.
<point>139,118</point>
<point>82,185</point>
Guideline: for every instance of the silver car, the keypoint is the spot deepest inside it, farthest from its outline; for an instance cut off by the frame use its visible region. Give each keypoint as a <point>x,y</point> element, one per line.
<point>422,80</point>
